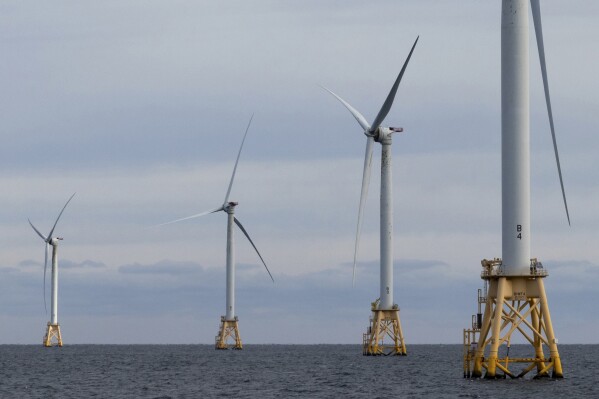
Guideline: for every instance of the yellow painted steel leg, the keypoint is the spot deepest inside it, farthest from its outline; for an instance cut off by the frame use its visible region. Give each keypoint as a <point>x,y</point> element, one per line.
<point>496,330</point>
<point>396,341</point>
<point>538,344</point>
<point>400,337</point>
<point>546,316</point>
<point>238,344</point>
<point>377,334</point>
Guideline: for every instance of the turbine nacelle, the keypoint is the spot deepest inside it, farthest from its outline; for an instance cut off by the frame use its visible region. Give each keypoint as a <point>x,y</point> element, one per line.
<point>54,241</point>
<point>230,206</point>
<point>383,134</point>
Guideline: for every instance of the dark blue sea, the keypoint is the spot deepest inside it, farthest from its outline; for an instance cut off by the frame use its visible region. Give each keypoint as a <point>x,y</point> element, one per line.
<point>271,371</point>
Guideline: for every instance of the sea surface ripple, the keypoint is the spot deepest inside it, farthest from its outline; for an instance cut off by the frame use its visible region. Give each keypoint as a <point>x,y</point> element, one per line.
<point>271,371</point>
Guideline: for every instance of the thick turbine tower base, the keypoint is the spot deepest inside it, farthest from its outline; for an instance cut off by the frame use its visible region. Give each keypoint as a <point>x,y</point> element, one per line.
<point>384,335</point>
<point>515,305</point>
<point>228,335</point>
<point>52,337</point>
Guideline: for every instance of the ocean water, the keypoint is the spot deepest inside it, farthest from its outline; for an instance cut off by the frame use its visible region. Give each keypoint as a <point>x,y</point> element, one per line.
<point>271,371</point>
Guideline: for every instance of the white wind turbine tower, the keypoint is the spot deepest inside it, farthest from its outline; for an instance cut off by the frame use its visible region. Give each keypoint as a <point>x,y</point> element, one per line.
<point>53,328</point>
<point>229,323</point>
<point>516,298</point>
<point>385,313</point>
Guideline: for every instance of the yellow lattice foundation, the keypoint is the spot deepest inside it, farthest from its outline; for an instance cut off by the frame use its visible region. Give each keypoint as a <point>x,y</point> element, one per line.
<point>384,336</point>
<point>516,304</point>
<point>52,337</point>
<point>228,335</point>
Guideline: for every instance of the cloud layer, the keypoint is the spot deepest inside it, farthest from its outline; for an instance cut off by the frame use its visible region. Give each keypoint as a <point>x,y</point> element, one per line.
<point>122,306</point>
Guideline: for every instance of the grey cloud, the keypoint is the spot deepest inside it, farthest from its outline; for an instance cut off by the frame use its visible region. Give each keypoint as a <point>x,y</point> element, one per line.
<point>163,267</point>
<point>570,264</point>
<point>412,264</point>
<point>67,264</point>
<point>405,264</point>
<point>248,266</point>
<point>30,263</point>
<point>62,264</point>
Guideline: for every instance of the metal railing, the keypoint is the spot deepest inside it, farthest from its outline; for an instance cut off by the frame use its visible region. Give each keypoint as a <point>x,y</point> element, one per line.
<point>493,268</point>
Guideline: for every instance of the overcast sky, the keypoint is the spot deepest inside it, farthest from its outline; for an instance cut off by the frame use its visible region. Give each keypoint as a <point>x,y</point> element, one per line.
<point>140,107</point>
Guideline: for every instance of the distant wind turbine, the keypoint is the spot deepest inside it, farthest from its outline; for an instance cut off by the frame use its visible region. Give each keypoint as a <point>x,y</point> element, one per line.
<point>386,313</point>
<point>229,326</point>
<point>53,328</point>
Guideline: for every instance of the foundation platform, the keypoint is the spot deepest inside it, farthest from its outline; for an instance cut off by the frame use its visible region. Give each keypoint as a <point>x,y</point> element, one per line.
<point>52,337</point>
<point>514,305</point>
<point>228,335</point>
<point>384,336</point>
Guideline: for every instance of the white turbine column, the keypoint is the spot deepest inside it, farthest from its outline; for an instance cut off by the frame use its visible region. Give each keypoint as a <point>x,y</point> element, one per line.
<point>386,298</point>
<point>54,300</point>
<point>230,314</point>
<point>515,138</point>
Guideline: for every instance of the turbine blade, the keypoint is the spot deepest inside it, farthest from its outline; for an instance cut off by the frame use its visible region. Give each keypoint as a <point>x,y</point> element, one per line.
<point>237,161</point>
<point>238,223</point>
<point>361,120</point>
<point>197,215</point>
<point>536,16</point>
<point>37,231</point>
<point>389,101</point>
<point>363,195</point>
<point>59,215</point>
<point>45,267</point>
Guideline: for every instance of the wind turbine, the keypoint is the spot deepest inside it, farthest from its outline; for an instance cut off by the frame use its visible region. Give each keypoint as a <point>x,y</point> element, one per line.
<point>516,298</point>
<point>52,328</point>
<point>385,318</point>
<point>229,323</point>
